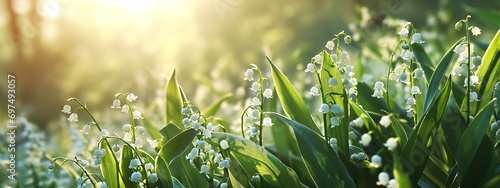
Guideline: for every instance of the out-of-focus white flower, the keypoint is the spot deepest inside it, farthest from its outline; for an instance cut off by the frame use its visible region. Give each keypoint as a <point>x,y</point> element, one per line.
<point>196,125</point>
<point>200,144</point>
<point>347,39</point>
<point>410,113</point>
<point>207,134</point>
<point>148,166</point>
<point>376,161</point>
<point>411,101</point>
<point>415,90</point>
<point>127,137</point>
<point>99,153</point>
<point>318,58</point>
<point>255,101</point>
<point>102,185</point>
<point>378,94</point>
<point>392,184</point>
<point>399,69</point>
<point>153,178</point>
<point>127,128</point>
<point>66,109</point>
<point>193,117</point>
<point>477,61</point>
<point>391,143</point>
<point>255,86</point>
<point>51,166</point>
<point>314,91</point>
<point>249,75</point>
<point>138,143</point>
<point>418,73</point>
<point>136,177</point>
<point>86,129</point>
<point>104,133</point>
<point>330,45</point>
<point>457,71</point>
<point>84,163</point>
<point>417,38</point>
<point>403,77</point>
<point>73,117</point>
<point>223,185</point>
<point>131,97</point>
<point>134,163</point>
<point>358,122</point>
<point>473,97</point>
<point>224,144</point>
<point>186,111</point>
<point>383,179</point>
<point>125,108</point>
<point>267,122</point>
<point>205,169</point>
<point>344,55</point>
<point>324,108</point>
<point>80,180</point>
<point>409,56</point>
<point>152,143</point>
<point>97,161</point>
<point>310,67</point>
<point>137,114</point>
<point>268,93</point>
<point>334,121</point>
<point>333,82</point>
<point>256,113</point>
<point>116,104</point>
<point>116,148</point>
<point>385,121</point>
<point>379,86</point>
<point>460,48</point>
<point>494,126</point>
<point>141,130</point>
<point>352,136</point>
<point>475,31</point>
<point>473,81</point>
<point>393,76</point>
<point>404,32</point>
<point>365,139</point>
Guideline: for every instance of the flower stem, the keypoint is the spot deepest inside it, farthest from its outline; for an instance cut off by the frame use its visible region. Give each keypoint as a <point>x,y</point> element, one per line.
<point>468,69</point>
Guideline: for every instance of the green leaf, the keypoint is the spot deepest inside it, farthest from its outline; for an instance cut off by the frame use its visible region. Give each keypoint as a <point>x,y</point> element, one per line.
<point>163,172</point>
<point>127,156</point>
<point>489,75</point>
<point>177,183</point>
<point>471,141</point>
<point>110,167</point>
<point>439,74</point>
<point>152,130</point>
<point>399,130</point>
<point>420,98</point>
<point>180,168</point>
<point>291,101</point>
<point>378,135</point>
<point>253,158</point>
<point>491,17</point>
<point>424,59</point>
<point>321,161</point>
<point>177,145</point>
<point>173,101</point>
<point>237,175</point>
<point>330,70</point>
<point>453,125</point>
<point>417,144</point>
<point>168,132</point>
<point>214,107</point>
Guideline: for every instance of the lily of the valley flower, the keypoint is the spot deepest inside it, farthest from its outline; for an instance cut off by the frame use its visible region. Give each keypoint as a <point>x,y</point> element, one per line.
<point>66,109</point>
<point>385,121</point>
<point>249,75</point>
<point>417,38</point>
<point>131,97</point>
<point>116,104</point>
<point>73,117</point>
<point>137,114</point>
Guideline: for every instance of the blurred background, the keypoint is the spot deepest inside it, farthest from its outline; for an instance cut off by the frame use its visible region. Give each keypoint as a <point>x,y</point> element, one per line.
<point>93,49</point>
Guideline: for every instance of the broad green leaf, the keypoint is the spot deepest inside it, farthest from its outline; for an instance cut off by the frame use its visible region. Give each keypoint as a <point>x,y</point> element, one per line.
<point>168,132</point>
<point>491,17</point>
<point>291,101</point>
<point>180,168</point>
<point>214,107</point>
<point>177,183</point>
<point>489,75</point>
<point>417,144</point>
<point>253,158</point>
<point>378,135</point>
<point>424,59</point>
<point>163,172</point>
<point>472,140</point>
<point>399,130</point>
<point>237,175</point>
<point>173,101</point>
<point>146,155</point>
<point>439,75</point>
<point>177,145</point>
<point>127,156</point>
<point>110,167</point>
<point>152,130</point>
<point>421,83</point>
<point>453,125</point>
<point>436,172</point>
<point>338,96</point>
<point>326,169</point>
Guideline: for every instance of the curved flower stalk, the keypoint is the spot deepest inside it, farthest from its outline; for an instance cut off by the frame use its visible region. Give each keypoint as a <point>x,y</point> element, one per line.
<point>257,106</point>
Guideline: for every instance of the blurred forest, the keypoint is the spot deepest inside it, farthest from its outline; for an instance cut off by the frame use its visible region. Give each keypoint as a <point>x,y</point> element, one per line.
<point>92,49</point>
